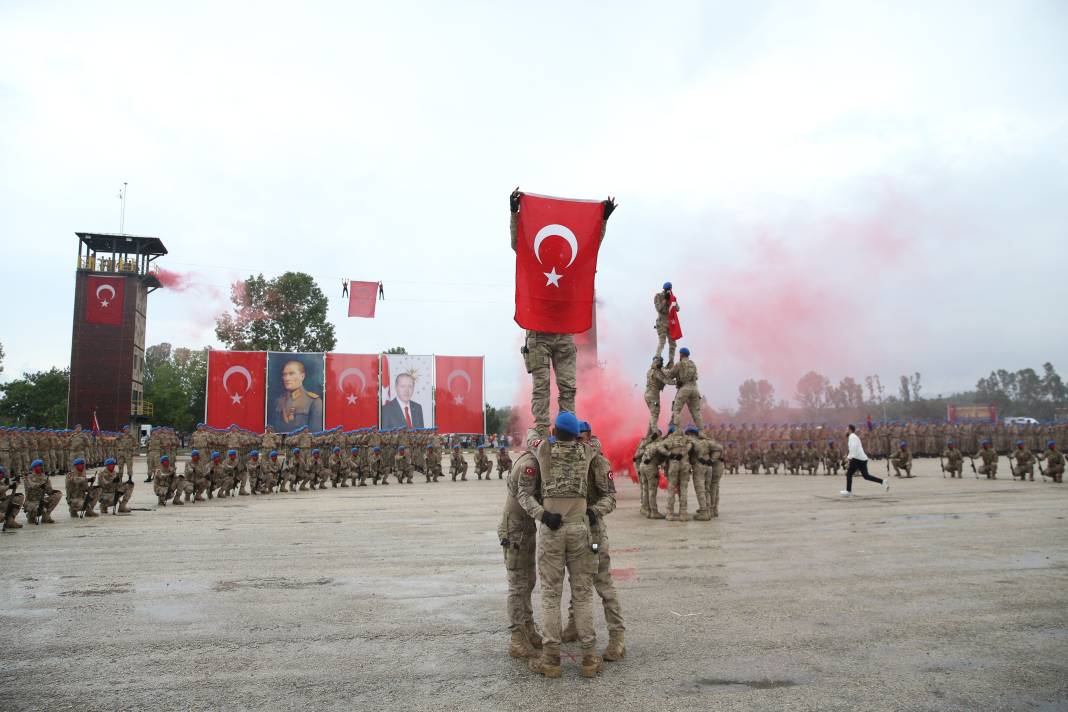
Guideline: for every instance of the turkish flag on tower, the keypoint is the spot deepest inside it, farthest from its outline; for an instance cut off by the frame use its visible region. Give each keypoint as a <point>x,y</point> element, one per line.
<point>237,391</point>
<point>104,300</point>
<point>458,400</point>
<point>351,391</point>
<point>555,262</point>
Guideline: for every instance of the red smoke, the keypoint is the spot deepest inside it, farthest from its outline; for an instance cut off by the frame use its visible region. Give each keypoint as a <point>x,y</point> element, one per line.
<point>179,282</point>
<point>606,399</point>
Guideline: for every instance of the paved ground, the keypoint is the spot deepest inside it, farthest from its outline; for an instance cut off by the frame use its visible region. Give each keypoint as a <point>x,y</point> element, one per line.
<point>942,595</point>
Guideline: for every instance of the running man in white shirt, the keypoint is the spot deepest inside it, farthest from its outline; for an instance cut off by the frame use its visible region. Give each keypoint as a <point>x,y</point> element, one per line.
<point>858,462</point>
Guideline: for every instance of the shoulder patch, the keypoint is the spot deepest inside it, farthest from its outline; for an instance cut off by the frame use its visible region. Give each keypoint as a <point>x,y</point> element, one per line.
<point>611,475</point>
<point>311,395</point>
<point>529,471</point>
<point>535,443</point>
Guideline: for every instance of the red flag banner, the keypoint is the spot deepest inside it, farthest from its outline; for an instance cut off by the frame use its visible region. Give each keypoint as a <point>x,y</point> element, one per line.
<point>458,397</point>
<point>557,242</point>
<point>351,390</point>
<point>104,299</point>
<point>362,298</point>
<point>674,327</point>
<point>237,390</point>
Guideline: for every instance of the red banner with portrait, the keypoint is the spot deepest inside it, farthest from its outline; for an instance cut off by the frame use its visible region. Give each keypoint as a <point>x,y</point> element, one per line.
<point>351,391</point>
<point>458,396</point>
<point>237,389</point>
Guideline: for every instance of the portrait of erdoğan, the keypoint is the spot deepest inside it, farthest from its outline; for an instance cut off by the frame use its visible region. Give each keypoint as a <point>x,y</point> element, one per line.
<point>402,411</point>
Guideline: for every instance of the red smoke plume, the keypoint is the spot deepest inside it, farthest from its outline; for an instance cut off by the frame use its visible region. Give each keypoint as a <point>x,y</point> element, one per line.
<point>187,282</point>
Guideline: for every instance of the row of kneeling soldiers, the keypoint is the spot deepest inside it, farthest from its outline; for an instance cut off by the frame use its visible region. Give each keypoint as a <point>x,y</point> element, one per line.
<point>218,475</point>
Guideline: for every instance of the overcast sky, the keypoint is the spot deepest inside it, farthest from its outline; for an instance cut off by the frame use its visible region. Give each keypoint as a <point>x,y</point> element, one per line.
<point>852,187</point>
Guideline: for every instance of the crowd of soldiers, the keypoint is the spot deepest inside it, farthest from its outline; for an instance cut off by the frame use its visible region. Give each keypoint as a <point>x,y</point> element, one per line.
<point>221,463</point>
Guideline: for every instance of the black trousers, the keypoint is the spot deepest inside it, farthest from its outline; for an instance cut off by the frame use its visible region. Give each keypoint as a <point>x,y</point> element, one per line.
<point>860,466</point>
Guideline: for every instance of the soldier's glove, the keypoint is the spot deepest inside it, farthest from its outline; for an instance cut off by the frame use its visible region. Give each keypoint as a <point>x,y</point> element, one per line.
<point>609,206</point>
<point>552,520</point>
<point>505,542</point>
<point>513,200</point>
<point>593,517</point>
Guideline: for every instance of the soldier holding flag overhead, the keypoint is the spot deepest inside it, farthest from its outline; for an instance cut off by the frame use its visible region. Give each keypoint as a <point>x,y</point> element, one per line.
<point>555,304</point>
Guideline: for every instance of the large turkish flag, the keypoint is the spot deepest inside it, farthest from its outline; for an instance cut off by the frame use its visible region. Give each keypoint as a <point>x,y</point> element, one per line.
<point>555,262</point>
<point>237,390</point>
<point>674,327</point>
<point>104,298</point>
<point>458,398</point>
<point>351,391</point>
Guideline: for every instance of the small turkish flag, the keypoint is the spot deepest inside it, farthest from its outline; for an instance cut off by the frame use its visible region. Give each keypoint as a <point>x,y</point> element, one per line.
<point>674,327</point>
<point>237,392</point>
<point>362,296</point>
<point>557,243</point>
<point>104,300</point>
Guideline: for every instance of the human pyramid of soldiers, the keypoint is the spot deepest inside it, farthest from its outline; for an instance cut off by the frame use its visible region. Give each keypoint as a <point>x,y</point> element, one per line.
<point>222,463</point>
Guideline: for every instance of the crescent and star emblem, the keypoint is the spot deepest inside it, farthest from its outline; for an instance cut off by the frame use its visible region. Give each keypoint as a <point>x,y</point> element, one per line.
<point>351,397</point>
<point>457,398</point>
<point>555,230</point>
<point>236,397</point>
<point>105,287</point>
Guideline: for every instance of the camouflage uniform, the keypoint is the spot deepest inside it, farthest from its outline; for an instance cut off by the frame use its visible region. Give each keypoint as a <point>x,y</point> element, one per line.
<point>655,380</point>
<point>676,449</point>
<point>77,485</point>
<point>518,533</point>
<point>954,461</point>
<point>662,304</point>
<point>482,463</point>
<point>684,373</point>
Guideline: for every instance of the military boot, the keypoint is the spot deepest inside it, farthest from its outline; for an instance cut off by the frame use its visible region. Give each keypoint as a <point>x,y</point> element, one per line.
<point>569,634</point>
<point>91,513</point>
<point>703,516</point>
<point>12,524</point>
<point>684,517</point>
<point>74,512</point>
<point>520,647</point>
<point>548,664</point>
<point>591,664</point>
<point>103,508</point>
<point>656,514</point>
<point>123,509</point>
<point>616,649</point>
<point>532,635</point>
<point>160,501</point>
<point>242,492</point>
<point>47,518</point>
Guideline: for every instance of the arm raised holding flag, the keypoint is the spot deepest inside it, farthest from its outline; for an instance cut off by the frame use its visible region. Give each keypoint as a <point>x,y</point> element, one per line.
<point>556,241</point>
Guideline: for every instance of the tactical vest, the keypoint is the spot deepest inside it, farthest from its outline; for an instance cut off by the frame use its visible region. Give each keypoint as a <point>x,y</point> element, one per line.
<point>564,466</point>
<point>685,372</point>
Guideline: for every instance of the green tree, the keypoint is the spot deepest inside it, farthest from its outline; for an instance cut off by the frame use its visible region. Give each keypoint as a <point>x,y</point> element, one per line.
<point>499,420</point>
<point>287,313</point>
<point>396,350</point>
<point>756,399</point>
<point>37,400</point>
<point>2,358</point>
<point>175,385</point>
<point>811,391</point>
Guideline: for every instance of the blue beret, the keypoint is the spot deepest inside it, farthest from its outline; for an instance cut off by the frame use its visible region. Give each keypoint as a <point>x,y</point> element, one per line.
<point>667,285</point>
<point>164,458</point>
<point>214,454</point>
<point>480,447</point>
<point>78,461</point>
<point>354,450</point>
<point>376,449</point>
<point>584,427</point>
<point>429,446</point>
<point>455,447</point>
<point>684,351</point>
<point>400,447</point>
<point>315,451</point>
<point>671,428</point>
<point>273,453</point>
<point>830,442</point>
<point>337,449</point>
<point>691,429</point>
<point>567,423</point>
<point>195,453</point>
<point>1051,443</point>
<point>296,450</point>
<point>36,463</point>
<point>254,453</point>
<point>231,452</point>
<point>903,443</point>
<point>109,461</point>
<point>1019,442</point>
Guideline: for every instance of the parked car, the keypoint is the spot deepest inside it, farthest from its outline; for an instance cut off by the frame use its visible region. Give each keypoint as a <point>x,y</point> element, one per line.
<point>1020,421</point>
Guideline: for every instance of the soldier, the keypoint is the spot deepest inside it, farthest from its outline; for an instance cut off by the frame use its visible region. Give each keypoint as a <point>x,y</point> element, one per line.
<point>989,456</point>
<point>78,486</point>
<point>753,459</point>
<point>338,469</point>
<point>833,459</point>
<point>482,463</point>
<point>504,463</point>
<point>375,466</point>
<point>518,536</point>
<point>954,461</point>
<point>433,457</point>
<point>41,499</point>
<point>649,460</point>
<point>163,483</point>
<point>78,443</point>
<point>10,499</point>
<point>636,462</point>
<point>542,349</point>
<point>126,447</point>
<point>655,380</point>
<point>553,490</point>
<point>732,460</point>
<point>902,459</point>
<point>113,489</point>
<point>602,502</point>
<point>293,472</point>
<point>700,453</point>
<point>684,374</point>
<point>676,449</point>
<point>254,475</point>
<point>810,458</point>
<point>215,473</point>
<point>316,472</point>
<point>231,473</point>
<point>402,465</point>
<point>793,459</point>
<point>1055,462</point>
<point>195,477</point>
<point>663,304</point>
<point>272,472</point>
<point>457,464</point>
<point>772,460</point>
<point>1025,462</point>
